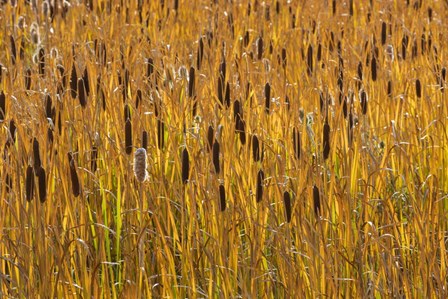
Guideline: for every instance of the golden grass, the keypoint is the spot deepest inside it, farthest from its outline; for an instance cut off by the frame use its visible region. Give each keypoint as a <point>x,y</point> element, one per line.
<point>340,190</point>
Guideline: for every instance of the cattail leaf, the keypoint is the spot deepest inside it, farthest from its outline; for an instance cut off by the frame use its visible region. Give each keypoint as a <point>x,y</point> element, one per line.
<point>215,156</point>
<point>185,166</point>
<point>287,203</point>
<point>222,198</point>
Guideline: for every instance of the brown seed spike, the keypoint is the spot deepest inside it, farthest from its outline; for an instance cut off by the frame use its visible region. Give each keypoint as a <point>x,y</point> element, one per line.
<point>12,130</point>
<point>255,148</point>
<point>74,176</point>
<point>28,79</point>
<point>241,129</point>
<point>29,185</point>
<point>326,140</point>
<point>73,83</point>
<point>128,136</point>
<point>93,159</point>
<point>42,61</point>
<point>418,88</point>
<point>260,48</point>
<point>316,200</point>
<point>287,202</point>
<point>259,190</point>
<point>363,102</point>
<point>283,57</point>
<point>215,156</point>
<point>373,68</point>
<point>210,137</point>
<point>145,140</point>
<point>360,71</point>
<point>267,94</point>
<point>310,60</point>
<point>296,142</point>
<point>82,93</point>
<point>383,33</point>
<point>36,155</point>
<point>222,198</point>
<point>191,85</point>
<point>13,50</point>
<point>85,77</point>
<point>2,106</point>
<point>227,95</point>
<point>138,98</point>
<point>160,134</point>
<point>42,182</point>
<point>220,91</point>
<point>185,166</point>
<point>48,107</point>
<point>389,89</point>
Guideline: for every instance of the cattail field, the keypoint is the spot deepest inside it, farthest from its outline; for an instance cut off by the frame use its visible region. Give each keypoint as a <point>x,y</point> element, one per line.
<point>223,149</point>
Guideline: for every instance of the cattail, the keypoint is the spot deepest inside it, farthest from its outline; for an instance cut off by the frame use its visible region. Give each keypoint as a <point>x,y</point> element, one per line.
<point>414,49</point>
<point>296,142</point>
<point>145,140</point>
<point>344,107</point>
<point>36,155</point>
<point>82,93</point>
<point>13,49</point>
<point>127,112</point>
<point>138,98</point>
<point>255,148</point>
<point>236,110</point>
<point>2,106</point>
<point>42,182</point>
<point>267,94</point>
<point>149,67</point>
<point>29,185</point>
<point>74,176</point>
<point>220,91</point>
<point>260,47</point>
<point>215,156</point>
<point>287,202</point>
<point>128,136</point>
<point>210,137</point>
<point>360,71</point>
<point>41,57</point>
<point>140,166</point>
<point>73,83</point>
<point>246,39</point>
<point>241,129</point>
<point>373,68</point>
<point>227,95</point>
<point>85,78</point>
<point>12,130</point>
<point>326,140</point>
<point>404,45</point>
<point>28,79</point>
<point>418,88</point>
<point>309,60</point>
<point>363,97</point>
<point>316,200</point>
<point>222,198</point>
<point>287,103</point>
<point>200,53</point>
<point>283,57</point>
<point>160,134</point>
<point>185,166</point>
<point>443,73</point>
<point>383,33</point>
<point>191,84</point>
<point>93,159</point>
<point>259,190</point>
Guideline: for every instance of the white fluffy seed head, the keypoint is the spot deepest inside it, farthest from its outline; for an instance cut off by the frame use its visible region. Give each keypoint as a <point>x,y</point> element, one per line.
<point>140,171</point>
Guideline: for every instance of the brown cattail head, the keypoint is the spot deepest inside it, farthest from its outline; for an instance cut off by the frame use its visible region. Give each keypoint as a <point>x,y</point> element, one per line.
<point>210,137</point>
<point>145,140</point>
<point>316,200</point>
<point>160,133</point>
<point>13,49</point>
<point>260,48</point>
<point>215,156</point>
<point>29,185</point>
<point>140,165</point>
<point>326,140</point>
<point>41,62</point>
<point>360,71</point>
<point>259,190</point>
<point>191,85</point>
<point>373,68</point>
<point>220,91</point>
<point>255,148</point>
<point>2,106</point>
<point>74,176</point>
<point>28,79</point>
<point>283,57</point>
<point>185,166</point>
<point>42,182</point>
<point>404,45</point>
<point>363,96</point>
<point>128,136</point>
<point>93,159</point>
<point>389,89</point>
<point>309,60</point>
<point>48,107</point>
<point>383,33</point>
<point>227,95</point>
<point>36,155</point>
<point>287,202</point>
<point>418,88</point>
<point>200,53</point>
<point>12,131</point>
<point>267,95</point>
<point>85,78</point>
<point>73,83</point>
<point>222,198</point>
<point>138,98</point>
<point>82,93</point>
<point>241,130</point>
<point>296,142</point>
